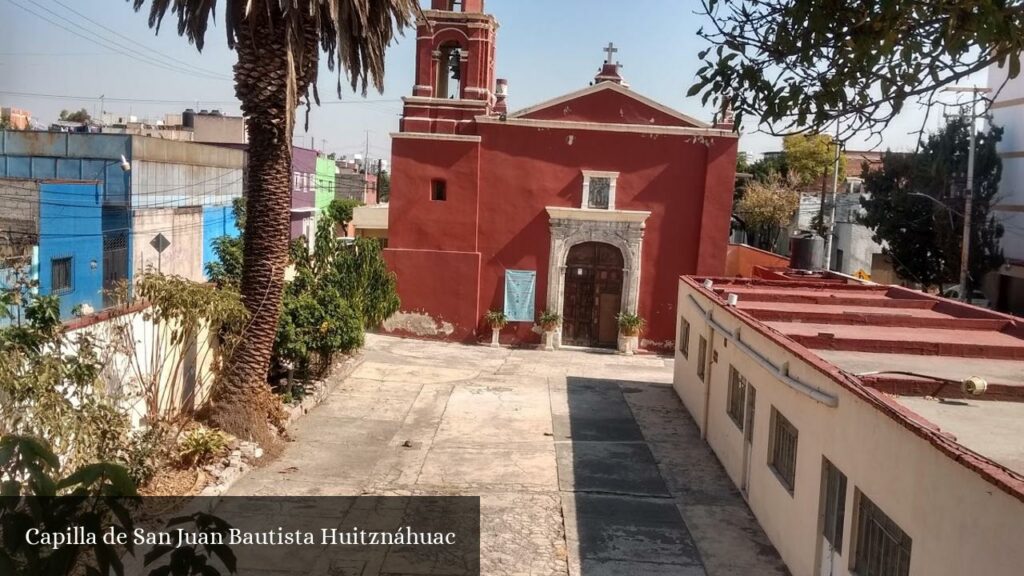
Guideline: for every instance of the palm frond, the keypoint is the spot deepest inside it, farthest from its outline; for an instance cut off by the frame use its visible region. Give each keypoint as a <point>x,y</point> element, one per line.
<point>354,34</point>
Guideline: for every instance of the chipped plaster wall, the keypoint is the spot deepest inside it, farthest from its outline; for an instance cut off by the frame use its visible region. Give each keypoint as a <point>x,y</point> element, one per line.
<point>418,324</point>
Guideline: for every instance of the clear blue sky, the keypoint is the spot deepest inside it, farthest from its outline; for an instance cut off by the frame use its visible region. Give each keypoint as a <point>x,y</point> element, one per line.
<point>545,48</point>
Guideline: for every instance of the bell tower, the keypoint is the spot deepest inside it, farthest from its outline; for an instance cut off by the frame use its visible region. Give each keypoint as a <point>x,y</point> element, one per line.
<point>454,68</point>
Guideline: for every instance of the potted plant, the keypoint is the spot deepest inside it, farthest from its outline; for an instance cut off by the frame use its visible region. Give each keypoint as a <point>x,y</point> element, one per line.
<point>549,322</point>
<point>497,320</point>
<point>630,326</point>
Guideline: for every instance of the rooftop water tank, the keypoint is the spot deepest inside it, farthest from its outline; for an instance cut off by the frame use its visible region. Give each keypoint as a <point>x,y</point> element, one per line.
<point>806,250</point>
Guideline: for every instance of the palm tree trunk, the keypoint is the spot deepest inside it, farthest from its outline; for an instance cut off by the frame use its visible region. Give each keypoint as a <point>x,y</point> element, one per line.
<point>243,402</point>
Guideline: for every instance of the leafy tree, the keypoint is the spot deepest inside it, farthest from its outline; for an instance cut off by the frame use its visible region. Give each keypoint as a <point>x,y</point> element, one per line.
<point>99,498</point>
<point>226,271</point>
<point>77,116</point>
<point>340,210</point>
<point>50,384</point>
<point>914,205</point>
<point>316,319</point>
<point>383,186</point>
<point>767,207</point>
<point>811,158</point>
<point>367,283</point>
<point>742,162</point>
<point>278,47</point>
<point>759,171</point>
<point>805,64</point>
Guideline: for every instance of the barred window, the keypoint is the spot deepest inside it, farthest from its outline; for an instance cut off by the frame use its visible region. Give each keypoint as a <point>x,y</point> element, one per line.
<point>736,397</point>
<point>60,275</point>
<point>835,505</point>
<point>684,337</point>
<point>702,357</point>
<point>782,450</point>
<point>883,549</point>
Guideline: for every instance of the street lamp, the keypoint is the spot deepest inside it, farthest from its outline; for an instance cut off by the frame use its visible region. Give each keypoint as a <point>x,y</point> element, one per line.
<point>126,166</point>
<point>965,246</point>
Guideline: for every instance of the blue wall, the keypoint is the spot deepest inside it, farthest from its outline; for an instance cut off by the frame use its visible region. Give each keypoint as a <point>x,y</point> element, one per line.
<point>217,221</point>
<point>70,225</point>
<point>63,156</point>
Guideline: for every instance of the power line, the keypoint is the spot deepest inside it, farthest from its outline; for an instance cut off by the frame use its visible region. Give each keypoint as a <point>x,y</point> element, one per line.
<point>107,43</point>
<point>169,101</point>
<point>113,99</point>
<point>159,55</point>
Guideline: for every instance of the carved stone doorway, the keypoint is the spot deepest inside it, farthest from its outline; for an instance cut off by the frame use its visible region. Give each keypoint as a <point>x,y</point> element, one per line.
<point>570,227</point>
<point>593,295</point>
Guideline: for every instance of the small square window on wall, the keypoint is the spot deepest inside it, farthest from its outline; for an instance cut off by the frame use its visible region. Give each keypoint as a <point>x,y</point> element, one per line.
<point>438,190</point>
<point>60,275</point>
<point>599,190</point>
<point>684,337</point>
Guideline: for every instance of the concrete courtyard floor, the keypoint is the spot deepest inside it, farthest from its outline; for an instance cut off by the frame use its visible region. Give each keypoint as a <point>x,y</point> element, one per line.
<point>586,462</point>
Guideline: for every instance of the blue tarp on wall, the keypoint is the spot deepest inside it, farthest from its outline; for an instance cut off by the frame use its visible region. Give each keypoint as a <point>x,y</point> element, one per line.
<point>520,293</point>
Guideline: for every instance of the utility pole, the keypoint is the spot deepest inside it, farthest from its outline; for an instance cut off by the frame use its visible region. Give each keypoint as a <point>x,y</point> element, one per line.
<point>965,244</point>
<point>366,160</point>
<point>830,224</point>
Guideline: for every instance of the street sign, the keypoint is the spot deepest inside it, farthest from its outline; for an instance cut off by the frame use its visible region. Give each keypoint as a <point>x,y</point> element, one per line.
<point>159,243</point>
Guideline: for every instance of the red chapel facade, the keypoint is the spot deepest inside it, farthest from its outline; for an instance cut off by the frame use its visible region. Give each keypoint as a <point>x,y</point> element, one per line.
<point>588,205</point>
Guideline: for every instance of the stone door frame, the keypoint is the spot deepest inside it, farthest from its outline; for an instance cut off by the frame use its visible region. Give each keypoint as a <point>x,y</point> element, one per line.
<point>623,229</point>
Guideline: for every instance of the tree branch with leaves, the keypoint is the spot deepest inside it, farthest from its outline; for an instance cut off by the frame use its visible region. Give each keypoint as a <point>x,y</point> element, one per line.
<point>767,206</point>
<point>795,65</point>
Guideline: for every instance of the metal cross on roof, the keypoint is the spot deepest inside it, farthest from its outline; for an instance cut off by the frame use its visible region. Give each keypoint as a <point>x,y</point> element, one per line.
<point>611,50</point>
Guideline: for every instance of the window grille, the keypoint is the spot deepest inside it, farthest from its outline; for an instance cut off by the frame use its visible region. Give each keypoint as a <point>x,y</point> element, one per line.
<point>782,452</point>
<point>60,275</point>
<point>883,549</point>
<point>835,506</point>
<point>684,337</point>
<point>702,357</point>
<point>736,397</point>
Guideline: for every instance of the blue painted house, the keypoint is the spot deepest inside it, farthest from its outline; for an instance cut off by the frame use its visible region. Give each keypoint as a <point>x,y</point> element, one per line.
<point>217,221</point>
<point>53,235</point>
<point>135,205</point>
<point>70,251</point>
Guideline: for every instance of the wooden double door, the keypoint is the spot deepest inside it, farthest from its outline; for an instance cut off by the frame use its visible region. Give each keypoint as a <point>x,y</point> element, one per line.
<point>593,295</point>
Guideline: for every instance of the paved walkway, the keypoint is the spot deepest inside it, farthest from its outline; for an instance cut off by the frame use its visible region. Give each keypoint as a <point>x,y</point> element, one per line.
<point>586,463</point>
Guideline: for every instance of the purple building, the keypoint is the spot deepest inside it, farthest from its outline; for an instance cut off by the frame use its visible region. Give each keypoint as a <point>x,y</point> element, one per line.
<point>303,193</point>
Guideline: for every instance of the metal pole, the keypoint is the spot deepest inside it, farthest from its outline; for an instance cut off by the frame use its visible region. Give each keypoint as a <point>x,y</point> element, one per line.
<point>965,251</point>
<point>830,226</point>
<point>366,160</point>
